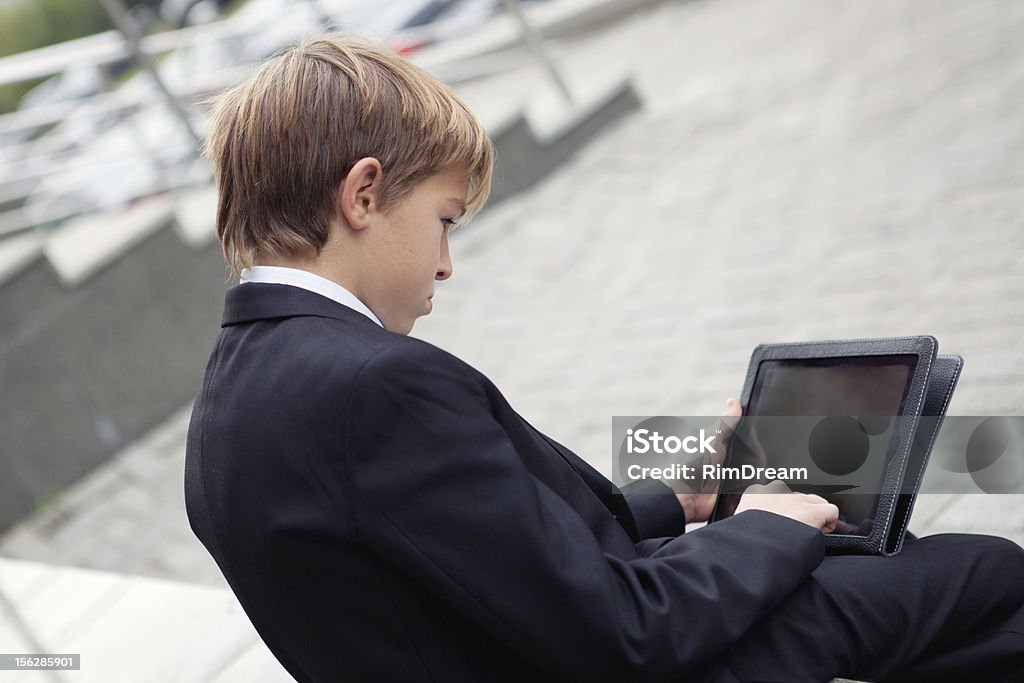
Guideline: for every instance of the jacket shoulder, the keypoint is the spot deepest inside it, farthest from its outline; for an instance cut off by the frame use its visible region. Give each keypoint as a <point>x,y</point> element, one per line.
<point>376,350</point>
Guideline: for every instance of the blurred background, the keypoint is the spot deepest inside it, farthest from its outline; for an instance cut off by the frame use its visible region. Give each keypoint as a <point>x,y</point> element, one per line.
<point>678,181</point>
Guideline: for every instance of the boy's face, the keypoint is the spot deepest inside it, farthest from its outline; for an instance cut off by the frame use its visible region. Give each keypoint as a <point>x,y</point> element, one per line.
<point>411,250</point>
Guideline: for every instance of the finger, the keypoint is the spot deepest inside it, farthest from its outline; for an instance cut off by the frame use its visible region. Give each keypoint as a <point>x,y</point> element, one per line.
<point>831,518</point>
<point>816,499</point>
<point>776,486</point>
<point>730,418</point>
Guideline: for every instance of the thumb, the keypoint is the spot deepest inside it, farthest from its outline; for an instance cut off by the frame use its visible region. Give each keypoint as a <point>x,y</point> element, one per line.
<point>730,418</point>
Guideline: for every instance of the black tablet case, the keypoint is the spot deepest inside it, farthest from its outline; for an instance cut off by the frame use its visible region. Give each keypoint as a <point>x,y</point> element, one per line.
<point>944,375</point>
<point>929,395</point>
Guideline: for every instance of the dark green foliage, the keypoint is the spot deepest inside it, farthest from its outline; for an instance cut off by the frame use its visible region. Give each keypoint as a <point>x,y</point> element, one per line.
<point>31,24</point>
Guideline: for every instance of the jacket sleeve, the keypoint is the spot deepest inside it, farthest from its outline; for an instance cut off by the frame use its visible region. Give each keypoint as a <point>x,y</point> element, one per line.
<point>655,508</point>
<point>440,492</point>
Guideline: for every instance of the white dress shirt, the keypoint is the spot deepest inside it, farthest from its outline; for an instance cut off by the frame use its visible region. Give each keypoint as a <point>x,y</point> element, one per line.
<point>310,282</point>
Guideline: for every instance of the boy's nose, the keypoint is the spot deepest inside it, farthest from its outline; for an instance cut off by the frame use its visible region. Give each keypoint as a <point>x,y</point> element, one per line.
<point>444,266</point>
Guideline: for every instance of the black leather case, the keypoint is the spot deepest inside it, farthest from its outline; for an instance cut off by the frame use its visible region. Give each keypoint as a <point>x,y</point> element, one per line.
<point>944,376</point>
<point>931,387</point>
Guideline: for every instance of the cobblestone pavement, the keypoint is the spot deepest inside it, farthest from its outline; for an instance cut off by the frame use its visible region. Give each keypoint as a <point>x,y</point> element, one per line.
<point>801,170</point>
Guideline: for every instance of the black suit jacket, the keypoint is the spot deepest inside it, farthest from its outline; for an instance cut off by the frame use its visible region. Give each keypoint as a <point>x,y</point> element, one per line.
<point>383,514</point>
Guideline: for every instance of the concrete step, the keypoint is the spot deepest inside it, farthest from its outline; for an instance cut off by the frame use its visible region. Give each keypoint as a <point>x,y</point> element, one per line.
<point>128,628</point>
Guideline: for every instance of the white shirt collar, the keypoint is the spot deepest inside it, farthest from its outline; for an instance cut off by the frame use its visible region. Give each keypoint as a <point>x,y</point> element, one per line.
<point>310,282</point>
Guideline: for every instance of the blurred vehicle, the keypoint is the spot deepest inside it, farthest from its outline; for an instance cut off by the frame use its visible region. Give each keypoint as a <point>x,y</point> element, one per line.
<point>182,13</point>
<point>267,26</point>
<point>411,25</point>
<point>124,145</point>
<point>440,20</point>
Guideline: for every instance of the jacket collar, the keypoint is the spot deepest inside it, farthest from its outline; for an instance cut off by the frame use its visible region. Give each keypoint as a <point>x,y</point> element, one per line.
<point>262,301</point>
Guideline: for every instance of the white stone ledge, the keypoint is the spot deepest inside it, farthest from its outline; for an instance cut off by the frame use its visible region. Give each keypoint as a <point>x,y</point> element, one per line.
<point>17,253</point>
<point>86,245</point>
<point>195,216</point>
<point>128,628</point>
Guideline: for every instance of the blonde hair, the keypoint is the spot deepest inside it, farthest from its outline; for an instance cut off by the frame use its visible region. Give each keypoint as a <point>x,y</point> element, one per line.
<point>282,142</point>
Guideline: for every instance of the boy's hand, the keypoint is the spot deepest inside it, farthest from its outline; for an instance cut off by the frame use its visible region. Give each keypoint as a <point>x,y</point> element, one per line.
<point>776,497</point>
<point>697,505</point>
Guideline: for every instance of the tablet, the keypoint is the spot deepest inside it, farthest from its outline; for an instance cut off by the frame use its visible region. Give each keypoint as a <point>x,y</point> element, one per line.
<point>834,418</point>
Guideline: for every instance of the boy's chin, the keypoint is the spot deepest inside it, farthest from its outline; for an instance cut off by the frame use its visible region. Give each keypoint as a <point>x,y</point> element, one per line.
<point>406,323</point>
<point>401,326</point>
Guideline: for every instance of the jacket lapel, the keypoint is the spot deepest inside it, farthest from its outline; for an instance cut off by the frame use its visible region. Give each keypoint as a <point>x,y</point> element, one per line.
<point>607,492</point>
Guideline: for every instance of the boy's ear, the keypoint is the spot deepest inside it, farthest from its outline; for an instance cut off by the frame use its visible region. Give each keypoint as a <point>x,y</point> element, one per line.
<point>358,195</point>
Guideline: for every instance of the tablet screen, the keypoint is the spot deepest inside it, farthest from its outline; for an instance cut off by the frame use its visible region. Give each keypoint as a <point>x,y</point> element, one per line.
<point>834,418</point>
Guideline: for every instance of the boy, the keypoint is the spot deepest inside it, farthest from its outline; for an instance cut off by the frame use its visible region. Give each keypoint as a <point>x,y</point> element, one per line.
<point>383,514</point>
